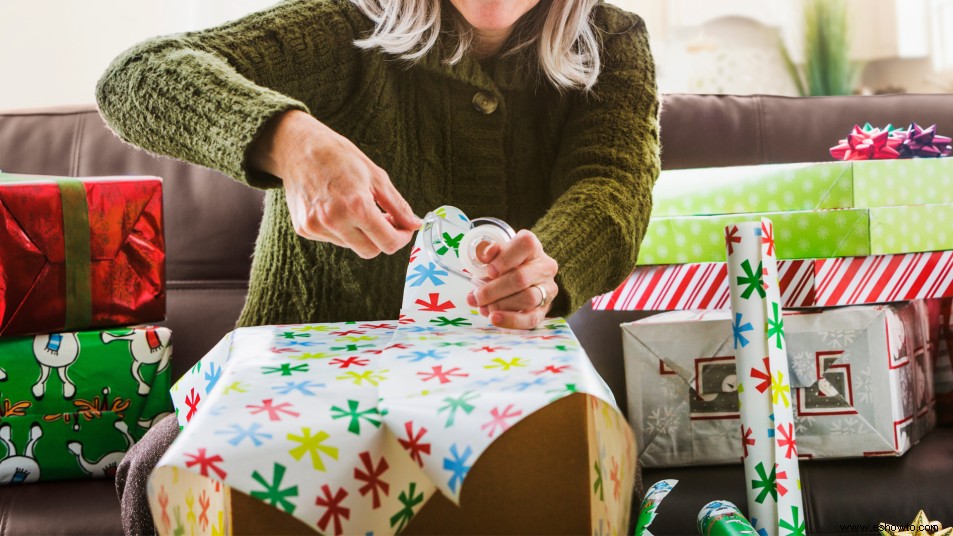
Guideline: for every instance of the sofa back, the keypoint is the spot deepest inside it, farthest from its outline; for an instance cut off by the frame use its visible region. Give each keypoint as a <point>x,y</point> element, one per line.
<point>212,221</point>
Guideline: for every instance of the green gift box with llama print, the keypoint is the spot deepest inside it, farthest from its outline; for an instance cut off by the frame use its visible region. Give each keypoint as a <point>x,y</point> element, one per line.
<point>72,404</point>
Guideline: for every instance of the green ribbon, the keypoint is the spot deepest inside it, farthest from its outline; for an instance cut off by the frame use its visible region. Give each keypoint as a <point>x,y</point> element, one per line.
<point>79,300</point>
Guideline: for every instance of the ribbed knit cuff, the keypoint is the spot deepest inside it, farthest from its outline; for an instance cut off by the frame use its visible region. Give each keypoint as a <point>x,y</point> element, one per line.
<point>584,246</point>
<point>259,116</point>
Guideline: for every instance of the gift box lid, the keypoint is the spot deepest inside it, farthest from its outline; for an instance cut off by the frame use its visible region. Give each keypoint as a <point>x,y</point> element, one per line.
<point>803,186</point>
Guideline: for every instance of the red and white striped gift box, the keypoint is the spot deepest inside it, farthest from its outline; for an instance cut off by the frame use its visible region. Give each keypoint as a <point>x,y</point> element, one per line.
<point>804,283</point>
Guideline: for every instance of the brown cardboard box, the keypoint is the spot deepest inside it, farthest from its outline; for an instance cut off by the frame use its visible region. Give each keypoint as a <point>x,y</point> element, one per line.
<point>566,469</point>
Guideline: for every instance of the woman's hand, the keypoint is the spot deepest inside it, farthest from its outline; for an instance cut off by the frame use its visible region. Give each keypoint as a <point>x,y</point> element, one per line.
<point>335,193</point>
<point>521,275</point>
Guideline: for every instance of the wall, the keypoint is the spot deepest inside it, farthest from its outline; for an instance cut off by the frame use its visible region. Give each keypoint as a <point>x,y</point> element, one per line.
<point>53,51</point>
<point>904,44</point>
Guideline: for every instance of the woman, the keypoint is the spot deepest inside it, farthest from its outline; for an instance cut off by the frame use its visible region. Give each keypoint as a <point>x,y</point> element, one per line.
<point>356,114</point>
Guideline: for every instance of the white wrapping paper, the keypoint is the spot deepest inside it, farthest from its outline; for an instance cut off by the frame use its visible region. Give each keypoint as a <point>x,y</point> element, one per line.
<point>768,439</point>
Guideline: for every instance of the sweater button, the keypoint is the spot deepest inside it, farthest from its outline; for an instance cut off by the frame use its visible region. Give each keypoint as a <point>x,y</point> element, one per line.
<point>484,103</point>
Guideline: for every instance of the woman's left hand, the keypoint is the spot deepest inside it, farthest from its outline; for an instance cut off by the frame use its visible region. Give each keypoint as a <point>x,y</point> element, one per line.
<point>521,284</point>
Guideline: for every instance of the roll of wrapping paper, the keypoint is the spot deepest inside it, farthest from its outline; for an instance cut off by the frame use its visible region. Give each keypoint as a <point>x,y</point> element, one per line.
<point>650,505</point>
<point>723,518</point>
<point>764,391</point>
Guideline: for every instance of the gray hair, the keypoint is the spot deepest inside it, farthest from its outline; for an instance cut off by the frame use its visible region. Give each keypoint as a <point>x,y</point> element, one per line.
<point>560,30</point>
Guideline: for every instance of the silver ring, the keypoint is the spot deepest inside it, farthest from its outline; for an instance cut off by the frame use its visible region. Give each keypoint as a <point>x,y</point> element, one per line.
<point>542,296</point>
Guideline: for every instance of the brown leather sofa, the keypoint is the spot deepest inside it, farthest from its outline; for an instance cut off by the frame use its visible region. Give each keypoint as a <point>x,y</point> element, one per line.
<point>211,223</point>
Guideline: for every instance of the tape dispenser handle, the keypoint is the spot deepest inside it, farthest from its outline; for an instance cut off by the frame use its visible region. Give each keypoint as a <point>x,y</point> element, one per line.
<point>484,230</point>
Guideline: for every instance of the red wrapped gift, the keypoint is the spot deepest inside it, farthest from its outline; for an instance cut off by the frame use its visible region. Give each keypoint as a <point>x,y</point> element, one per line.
<point>80,253</point>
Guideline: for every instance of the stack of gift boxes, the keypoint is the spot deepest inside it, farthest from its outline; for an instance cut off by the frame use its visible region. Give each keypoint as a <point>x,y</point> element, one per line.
<point>82,261</point>
<point>865,254</point>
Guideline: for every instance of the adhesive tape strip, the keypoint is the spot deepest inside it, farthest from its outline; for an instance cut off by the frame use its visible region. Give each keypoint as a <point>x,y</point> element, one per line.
<point>472,239</point>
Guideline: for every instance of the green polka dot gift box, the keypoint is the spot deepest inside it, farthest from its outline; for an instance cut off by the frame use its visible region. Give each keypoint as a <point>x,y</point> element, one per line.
<point>797,187</point>
<point>71,404</point>
<point>805,234</point>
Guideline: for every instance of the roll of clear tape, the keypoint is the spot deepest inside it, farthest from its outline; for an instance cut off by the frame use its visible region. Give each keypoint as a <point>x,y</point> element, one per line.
<point>471,243</point>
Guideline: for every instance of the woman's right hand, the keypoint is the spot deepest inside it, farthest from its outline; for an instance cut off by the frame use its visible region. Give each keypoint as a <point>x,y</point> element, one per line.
<point>335,193</point>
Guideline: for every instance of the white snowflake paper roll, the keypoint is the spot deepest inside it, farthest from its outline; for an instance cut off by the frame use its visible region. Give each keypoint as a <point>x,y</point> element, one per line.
<point>767,418</point>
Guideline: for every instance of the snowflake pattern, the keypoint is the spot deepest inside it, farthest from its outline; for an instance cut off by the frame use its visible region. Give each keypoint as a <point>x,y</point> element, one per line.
<point>840,339</point>
<point>863,392</point>
<point>662,421</point>
<point>805,425</point>
<point>803,368</point>
<point>848,425</point>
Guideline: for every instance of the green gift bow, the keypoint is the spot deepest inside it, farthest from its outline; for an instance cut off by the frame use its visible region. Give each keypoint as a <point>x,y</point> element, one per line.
<point>79,301</point>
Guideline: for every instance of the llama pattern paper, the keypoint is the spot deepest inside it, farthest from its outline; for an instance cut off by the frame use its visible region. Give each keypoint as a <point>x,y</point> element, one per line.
<point>72,404</point>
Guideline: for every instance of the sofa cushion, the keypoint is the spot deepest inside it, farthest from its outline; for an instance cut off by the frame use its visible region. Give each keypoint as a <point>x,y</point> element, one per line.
<point>730,130</point>
<point>69,508</point>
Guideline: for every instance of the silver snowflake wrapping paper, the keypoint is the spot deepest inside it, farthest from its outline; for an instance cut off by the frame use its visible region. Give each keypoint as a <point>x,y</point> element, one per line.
<point>861,377</point>
<point>352,427</point>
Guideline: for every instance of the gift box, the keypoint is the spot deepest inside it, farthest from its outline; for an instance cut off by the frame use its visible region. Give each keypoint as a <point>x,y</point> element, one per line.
<point>71,404</point>
<point>80,253</point>
<point>804,283</point>
<point>805,234</point>
<point>435,422</point>
<point>321,412</point>
<point>862,378</point>
<point>798,187</point>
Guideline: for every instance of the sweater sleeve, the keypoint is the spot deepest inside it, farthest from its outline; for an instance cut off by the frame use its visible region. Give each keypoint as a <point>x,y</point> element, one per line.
<point>606,168</point>
<point>204,96</point>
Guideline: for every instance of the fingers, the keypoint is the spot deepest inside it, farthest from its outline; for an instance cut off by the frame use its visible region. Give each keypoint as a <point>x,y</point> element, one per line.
<point>334,192</point>
<point>381,232</point>
<point>541,270</point>
<point>511,298</point>
<point>349,220</point>
<point>506,257</point>
<point>393,203</point>
<point>307,225</point>
<point>355,239</point>
<point>518,319</point>
<point>526,299</point>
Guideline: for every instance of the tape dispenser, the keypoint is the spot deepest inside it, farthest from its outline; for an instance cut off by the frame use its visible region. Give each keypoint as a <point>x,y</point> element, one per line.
<point>452,242</point>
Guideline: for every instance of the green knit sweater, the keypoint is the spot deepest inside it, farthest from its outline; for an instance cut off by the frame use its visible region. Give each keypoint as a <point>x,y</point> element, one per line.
<point>576,169</point>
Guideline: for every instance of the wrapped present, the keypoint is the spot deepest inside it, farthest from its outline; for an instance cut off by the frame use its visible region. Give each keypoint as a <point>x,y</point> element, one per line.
<point>71,404</point>
<point>805,234</point>
<point>804,186</point>
<point>862,379</point>
<point>804,283</point>
<point>431,423</point>
<point>80,253</point>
